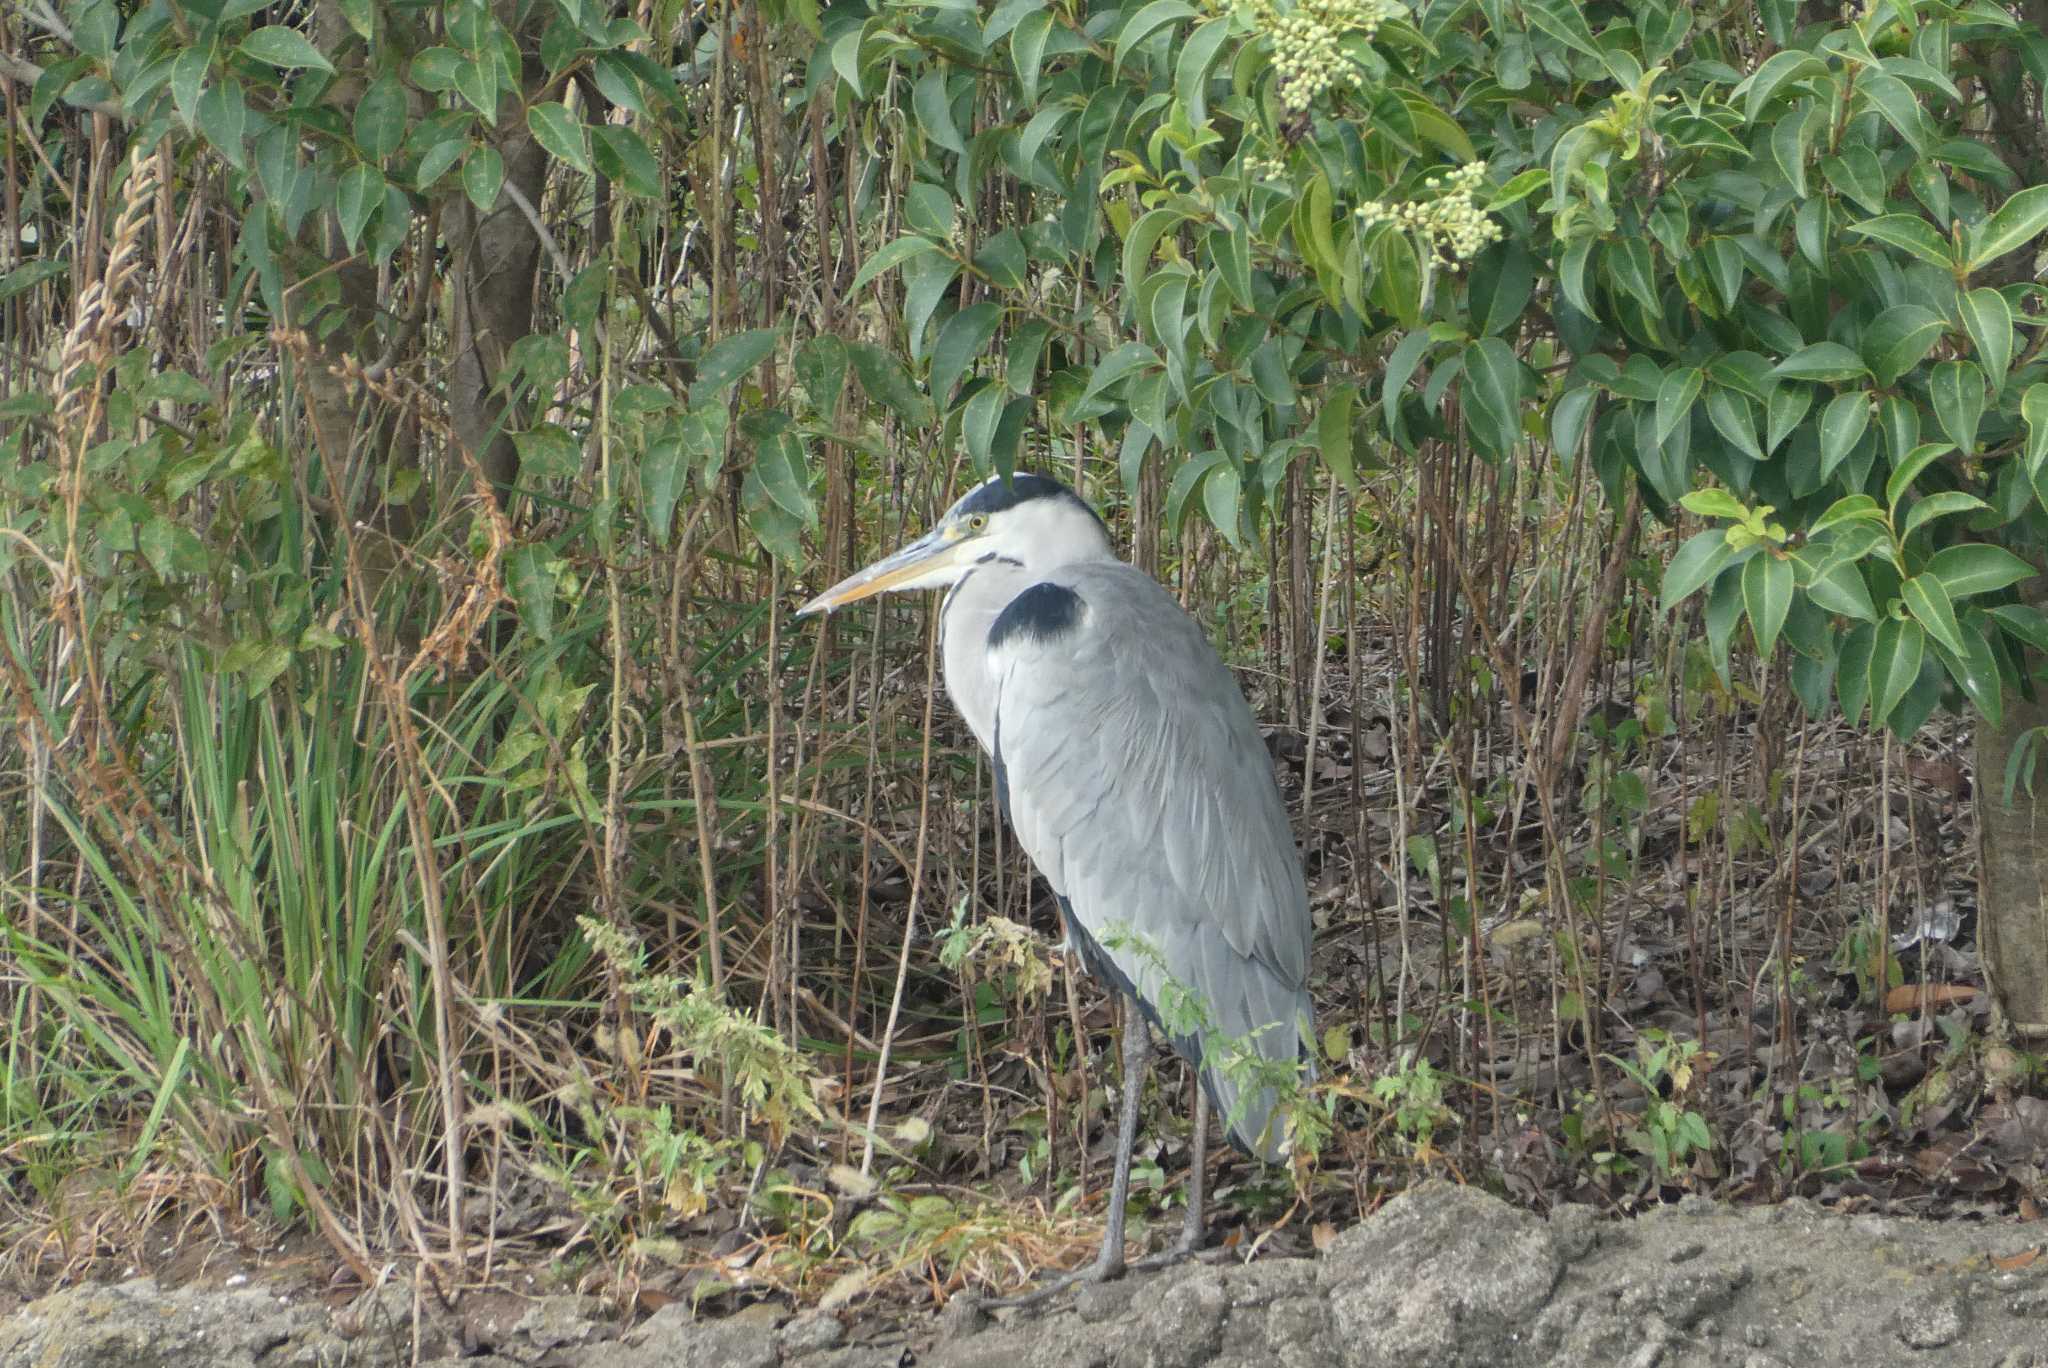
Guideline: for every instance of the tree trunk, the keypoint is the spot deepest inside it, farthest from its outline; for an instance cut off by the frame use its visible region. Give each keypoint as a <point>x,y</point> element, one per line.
<point>2012,872</point>
<point>493,259</point>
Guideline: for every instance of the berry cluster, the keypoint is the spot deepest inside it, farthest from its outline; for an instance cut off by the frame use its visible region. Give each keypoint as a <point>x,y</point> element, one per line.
<point>1455,227</point>
<point>1305,38</point>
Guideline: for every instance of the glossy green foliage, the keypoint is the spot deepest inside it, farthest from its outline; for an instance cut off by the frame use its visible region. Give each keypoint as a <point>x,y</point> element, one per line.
<point>1717,248</point>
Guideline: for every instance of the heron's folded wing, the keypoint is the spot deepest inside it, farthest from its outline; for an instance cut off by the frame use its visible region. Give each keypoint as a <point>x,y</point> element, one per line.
<point>1137,783</point>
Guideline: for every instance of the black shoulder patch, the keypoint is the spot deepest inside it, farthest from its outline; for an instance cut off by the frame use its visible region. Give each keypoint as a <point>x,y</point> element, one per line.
<point>1042,613</point>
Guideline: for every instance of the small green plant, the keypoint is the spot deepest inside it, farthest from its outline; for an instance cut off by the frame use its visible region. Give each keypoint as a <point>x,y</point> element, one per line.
<point>998,951</point>
<point>1413,1096</point>
<point>769,1077</point>
<point>1861,952</point>
<point>1669,1133</point>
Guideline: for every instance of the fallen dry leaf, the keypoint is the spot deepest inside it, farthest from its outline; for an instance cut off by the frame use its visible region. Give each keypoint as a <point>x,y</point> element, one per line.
<point>2006,1263</point>
<point>1908,997</point>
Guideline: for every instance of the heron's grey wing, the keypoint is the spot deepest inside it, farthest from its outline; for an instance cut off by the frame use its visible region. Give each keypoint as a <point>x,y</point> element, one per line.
<point>1136,780</point>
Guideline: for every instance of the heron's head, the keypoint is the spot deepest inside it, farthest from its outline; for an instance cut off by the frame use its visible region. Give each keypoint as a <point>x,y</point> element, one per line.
<point>1028,520</point>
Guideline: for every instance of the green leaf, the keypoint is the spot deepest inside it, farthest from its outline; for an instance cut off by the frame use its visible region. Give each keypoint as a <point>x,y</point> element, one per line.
<point>1842,425</point>
<point>358,195</point>
<point>547,452</point>
<point>1563,20</point>
<point>530,573</point>
<point>890,257</point>
<point>1856,175</point>
<point>933,106</point>
<point>1767,598</point>
<point>778,532</point>
<point>434,69</point>
<point>1334,433</point>
<point>1502,280</point>
<point>820,365</point>
<point>1849,508</point>
<point>2022,623</point>
<point>1894,664</point>
<point>1977,568</point>
<point>1785,409</point>
<point>1895,103</point>
<point>1852,679</point>
<point>380,118</point>
<point>483,174</point>
<point>1144,237</point>
<point>1840,589</point>
<point>1493,396</point>
<point>1988,320</point>
<point>1907,471</point>
<point>1131,356</point>
<point>1190,72</point>
<point>558,131</point>
<point>959,342</point>
<point>1144,24</point>
<point>779,464</point>
<point>477,82</point>
<point>1222,492</point>
<point>728,360</point>
<point>1703,556</point>
<point>1518,188</point>
<point>1898,338</point>
<point>1570,418</point>
<point>1928,601</point>
<point>1002,258</point>
<point>663,472</point>
<point>436,160</point>
<point>1407,356</point>
<point>2017,222</point>
<point>1943,504</point>
<point>283,47</point>
<point>170,548</point>
<point>1724,611</point>
<point>1734,418</point>
<point>1958,392</point>
<point>1571,276</point>
<point>1186,481</point>
<point>1780,67</point>
<point>1675,398</point>
<point>1725,266</point>
<point>1821,361</point>
<point>1910,234</point>
<point>1715,503</point>
<point>1976,670</point>
<point>623,157</point>
<point>1790,142</point>
<point>2034,409</point>
<point>886,382</point>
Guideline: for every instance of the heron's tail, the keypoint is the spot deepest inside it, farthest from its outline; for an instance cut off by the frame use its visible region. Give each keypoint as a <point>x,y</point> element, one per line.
<point>1238,1073</point>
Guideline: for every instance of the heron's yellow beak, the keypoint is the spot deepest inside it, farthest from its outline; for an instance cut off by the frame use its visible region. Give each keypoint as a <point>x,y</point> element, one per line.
<point>926,563</point>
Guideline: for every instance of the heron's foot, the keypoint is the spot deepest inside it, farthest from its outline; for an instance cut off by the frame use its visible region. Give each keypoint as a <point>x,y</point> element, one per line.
<point>1107,1267</point>
<point>1186,1247</point>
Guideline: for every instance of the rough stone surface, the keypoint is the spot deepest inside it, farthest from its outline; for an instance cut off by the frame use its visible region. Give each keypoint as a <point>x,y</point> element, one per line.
<point>1438,1278</point>
<point>137,1324</point>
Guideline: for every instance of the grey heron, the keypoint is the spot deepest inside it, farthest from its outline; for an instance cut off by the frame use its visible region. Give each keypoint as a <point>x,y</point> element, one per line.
<point>1130,768</point>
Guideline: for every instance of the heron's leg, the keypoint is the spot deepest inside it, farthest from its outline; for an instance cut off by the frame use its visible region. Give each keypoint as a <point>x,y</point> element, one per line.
<point>1110,1261</point>
<point>1137,1054</point>
<point>1193,1227</point>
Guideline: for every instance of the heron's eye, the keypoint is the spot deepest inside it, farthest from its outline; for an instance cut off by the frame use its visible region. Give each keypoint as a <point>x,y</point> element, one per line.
<point>977,522</point>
